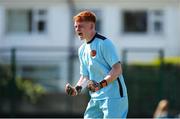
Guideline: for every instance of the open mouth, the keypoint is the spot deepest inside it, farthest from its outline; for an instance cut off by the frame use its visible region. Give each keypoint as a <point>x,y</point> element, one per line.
<point>80,34</point>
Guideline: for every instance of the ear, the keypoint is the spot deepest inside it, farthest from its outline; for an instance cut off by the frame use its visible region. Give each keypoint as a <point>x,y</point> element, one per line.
<point>92,25</point>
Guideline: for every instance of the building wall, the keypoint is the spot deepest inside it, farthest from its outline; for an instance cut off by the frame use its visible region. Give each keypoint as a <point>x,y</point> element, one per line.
<point>58,28</point>
<point>112,24</point>
<point>59,24</point>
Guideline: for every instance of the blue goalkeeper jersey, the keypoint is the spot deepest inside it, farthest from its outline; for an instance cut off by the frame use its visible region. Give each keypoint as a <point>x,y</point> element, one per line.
<point>96,60</point>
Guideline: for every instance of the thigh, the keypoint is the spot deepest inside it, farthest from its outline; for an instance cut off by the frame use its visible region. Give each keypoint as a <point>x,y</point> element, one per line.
<point>93,110</point>
<point>115,108</point>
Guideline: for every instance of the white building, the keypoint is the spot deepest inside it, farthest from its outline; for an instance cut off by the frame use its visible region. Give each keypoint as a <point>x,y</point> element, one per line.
<point>146,24</point>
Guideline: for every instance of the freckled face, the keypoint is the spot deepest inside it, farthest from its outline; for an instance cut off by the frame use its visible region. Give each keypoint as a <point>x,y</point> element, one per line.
<point>82,29</point>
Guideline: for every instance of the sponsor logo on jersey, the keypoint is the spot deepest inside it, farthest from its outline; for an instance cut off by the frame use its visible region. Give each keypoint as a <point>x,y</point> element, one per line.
<point>93,53</point>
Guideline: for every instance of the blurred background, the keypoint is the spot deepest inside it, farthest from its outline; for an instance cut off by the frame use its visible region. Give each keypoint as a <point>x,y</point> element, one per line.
<point>38,54</point>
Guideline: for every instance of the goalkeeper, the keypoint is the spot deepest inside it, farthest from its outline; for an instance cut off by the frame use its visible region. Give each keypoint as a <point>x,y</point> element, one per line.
<point>100,70</point>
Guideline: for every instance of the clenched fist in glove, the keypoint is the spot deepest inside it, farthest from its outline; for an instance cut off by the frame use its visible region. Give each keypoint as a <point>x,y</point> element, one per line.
<point>95,86</point>
<point>72,91</point>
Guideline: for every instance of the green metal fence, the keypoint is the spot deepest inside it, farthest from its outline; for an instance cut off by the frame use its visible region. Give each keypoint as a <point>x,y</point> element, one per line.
<point>146,85</point>
<point>27,66</point>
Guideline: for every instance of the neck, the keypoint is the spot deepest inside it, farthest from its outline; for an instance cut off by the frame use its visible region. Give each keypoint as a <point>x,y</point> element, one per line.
<point>91,35</point>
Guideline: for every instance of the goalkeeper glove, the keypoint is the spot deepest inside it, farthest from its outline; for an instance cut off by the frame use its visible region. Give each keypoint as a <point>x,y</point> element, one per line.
<point>95,86</point>
<point>73,91</point>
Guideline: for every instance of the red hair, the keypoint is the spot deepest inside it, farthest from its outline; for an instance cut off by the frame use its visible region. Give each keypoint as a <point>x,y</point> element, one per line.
<point>85,16</point>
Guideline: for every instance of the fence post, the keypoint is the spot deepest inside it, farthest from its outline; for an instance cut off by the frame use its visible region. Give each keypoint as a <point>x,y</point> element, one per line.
<point>161,78</point>
<point>72,9</point>
<point>124,60</point>
<point>161,57</point>
<point>124,56</point>
<point>12,87</point>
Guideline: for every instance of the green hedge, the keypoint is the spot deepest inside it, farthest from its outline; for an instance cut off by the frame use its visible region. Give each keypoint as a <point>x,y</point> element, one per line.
<point>147,85</point>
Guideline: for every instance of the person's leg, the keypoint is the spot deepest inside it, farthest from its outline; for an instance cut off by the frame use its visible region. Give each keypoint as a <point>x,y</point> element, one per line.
<point>115,108</point>
<point>93,110</point>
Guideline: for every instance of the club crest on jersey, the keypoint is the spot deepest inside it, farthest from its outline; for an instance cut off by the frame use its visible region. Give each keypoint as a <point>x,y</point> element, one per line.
<point>93,53</point>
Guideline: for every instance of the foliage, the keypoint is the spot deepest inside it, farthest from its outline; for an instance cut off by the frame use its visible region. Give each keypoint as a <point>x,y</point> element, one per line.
<point>5,77</point>
<point>23,89</point>
<point>29,89</point>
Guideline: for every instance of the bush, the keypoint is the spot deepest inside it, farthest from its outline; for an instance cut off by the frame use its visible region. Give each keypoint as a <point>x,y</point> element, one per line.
<point>20,88</point>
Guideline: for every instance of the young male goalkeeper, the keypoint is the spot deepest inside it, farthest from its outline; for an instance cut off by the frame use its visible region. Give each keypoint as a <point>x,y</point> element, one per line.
<point>100,70</point>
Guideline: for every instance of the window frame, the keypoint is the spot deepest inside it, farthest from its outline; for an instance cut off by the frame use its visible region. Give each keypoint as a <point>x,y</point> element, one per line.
<point>131,12</point>
<point>150,20</point>
<point>33,27</point>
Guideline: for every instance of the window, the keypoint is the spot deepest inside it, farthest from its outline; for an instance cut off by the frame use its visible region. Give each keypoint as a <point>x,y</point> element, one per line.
<point>135,21</point>
<point>143,21</point>
<point>156,21</point>
<point>24,20</point>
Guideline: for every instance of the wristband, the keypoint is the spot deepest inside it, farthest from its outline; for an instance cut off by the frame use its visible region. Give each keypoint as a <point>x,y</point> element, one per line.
<point>103,83</point>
